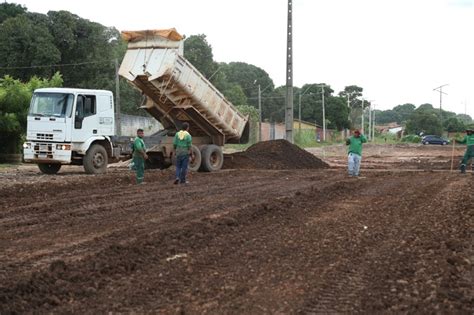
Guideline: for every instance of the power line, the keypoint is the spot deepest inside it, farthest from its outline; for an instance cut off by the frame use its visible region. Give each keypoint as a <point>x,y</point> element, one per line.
<point>57,65</point>
<point>266,98</point>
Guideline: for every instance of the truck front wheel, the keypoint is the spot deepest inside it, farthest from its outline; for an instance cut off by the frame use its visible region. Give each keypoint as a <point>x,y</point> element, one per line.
<point>49,169</point>
<point>212,158</point>
<point>96,159</point>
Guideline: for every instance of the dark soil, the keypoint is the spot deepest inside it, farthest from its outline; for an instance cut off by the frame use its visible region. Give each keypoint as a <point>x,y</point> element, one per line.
<point>238,242</point>
<point>274,155</point>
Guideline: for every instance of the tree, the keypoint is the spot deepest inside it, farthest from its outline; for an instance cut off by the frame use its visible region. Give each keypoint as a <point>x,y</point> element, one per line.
<point>426,107</point>
<point>249,77</point>
<point>466,119</point>
<point>352,94</point>
<point>87,50</point>
<point>336,113</point>
<point>235,95</point>
<point>199,53</point>
<point>9,10</point>
<point>387,116</point>
<point>26,47</point>
<point>404,112</point>
<point>273,105</point>
<point>311,101</point>
<point>424,121</point>
<point>453,125</point>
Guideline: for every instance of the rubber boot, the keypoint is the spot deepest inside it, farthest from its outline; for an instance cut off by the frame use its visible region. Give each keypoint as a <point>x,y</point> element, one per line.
<point>463,168</point>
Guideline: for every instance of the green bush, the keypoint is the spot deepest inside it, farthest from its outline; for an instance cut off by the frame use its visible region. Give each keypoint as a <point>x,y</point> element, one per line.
<point>411,139</point>
<point>305,138</point>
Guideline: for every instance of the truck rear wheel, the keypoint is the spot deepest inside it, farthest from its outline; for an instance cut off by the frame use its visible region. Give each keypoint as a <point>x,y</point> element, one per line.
<point>49,169</point>
<point>196,164</point>
<point>155,160</point>
<point>212,158</point>
<point>96,159</point>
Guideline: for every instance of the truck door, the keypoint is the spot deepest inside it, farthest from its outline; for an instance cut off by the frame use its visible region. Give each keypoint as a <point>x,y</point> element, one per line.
<point>85,118</point>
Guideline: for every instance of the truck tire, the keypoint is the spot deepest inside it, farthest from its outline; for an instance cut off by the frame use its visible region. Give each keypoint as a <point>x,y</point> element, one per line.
<point>155,160</point>
<point>196,164</point>
<point>96,159</point>
<point>49,169</point>
<point>212,158</point>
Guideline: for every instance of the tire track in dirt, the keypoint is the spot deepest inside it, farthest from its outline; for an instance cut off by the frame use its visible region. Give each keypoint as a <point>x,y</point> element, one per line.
<point>380,272</point>
<point>267,247</point>
<point>72,231</point>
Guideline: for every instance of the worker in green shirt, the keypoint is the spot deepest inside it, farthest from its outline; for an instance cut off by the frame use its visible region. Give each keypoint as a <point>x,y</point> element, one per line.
<point>139,156</point>
<point>355,152</point>
<point>182,143</point>
<point>469,141</point>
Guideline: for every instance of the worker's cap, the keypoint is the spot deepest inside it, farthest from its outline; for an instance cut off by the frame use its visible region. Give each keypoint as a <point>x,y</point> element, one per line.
<point>357,131</point>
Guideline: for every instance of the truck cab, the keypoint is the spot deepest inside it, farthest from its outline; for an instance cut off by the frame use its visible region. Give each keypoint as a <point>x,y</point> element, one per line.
<point>70,126</point>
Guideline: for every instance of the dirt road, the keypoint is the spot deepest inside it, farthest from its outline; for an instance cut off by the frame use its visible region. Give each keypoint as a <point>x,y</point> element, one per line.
<point>237,241</point>
<point>400,156</point>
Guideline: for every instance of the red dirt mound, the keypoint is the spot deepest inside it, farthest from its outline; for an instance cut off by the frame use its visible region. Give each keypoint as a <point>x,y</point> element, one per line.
<point>274,154</point>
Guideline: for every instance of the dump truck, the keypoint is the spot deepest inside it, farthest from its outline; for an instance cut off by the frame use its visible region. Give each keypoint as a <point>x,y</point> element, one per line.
<point>77,126</point>
<point>176,92</point>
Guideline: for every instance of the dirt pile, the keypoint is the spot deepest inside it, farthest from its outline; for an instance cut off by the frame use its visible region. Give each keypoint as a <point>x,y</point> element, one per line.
<point>274,154</point>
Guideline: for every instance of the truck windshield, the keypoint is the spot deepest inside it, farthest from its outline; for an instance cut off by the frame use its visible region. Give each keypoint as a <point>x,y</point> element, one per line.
<point>51,104</point>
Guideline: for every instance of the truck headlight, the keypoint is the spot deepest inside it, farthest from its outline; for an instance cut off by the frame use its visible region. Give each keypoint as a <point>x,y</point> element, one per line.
<point>63,147</point>
<point>26,145</point>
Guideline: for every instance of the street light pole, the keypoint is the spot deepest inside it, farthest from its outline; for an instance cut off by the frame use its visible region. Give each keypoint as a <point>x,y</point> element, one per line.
<point>299,113</point>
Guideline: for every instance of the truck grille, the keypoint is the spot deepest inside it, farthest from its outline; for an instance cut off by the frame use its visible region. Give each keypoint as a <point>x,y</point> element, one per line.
<point>44,136</point>
<point>43,150</point>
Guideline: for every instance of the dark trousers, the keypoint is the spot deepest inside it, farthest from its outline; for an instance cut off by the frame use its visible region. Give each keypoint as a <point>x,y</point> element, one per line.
<point>182,167</point>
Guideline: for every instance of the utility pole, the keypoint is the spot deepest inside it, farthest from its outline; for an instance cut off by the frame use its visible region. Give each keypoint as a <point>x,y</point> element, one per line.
<point>289,75</point>
<point>259,114</point>
<point>324,114</point>
<point>118,119</point>
<point>370,120</point>
<point>373,126</point>
<point>440,90</point>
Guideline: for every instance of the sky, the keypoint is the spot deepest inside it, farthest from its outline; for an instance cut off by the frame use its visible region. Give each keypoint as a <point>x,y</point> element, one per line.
<point>398,51</point>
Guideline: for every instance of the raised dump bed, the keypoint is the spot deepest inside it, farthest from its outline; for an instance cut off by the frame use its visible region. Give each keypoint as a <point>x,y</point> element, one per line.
<point>177,91</point>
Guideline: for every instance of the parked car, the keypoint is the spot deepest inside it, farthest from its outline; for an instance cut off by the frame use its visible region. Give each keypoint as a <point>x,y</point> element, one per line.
<point>434,140</point>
